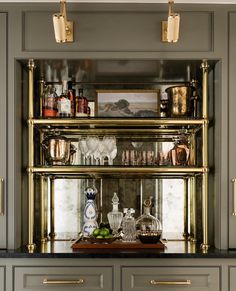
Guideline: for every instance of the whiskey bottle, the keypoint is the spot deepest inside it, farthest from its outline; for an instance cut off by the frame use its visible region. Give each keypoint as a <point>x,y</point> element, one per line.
<point>81,105</point>
<point>71,97</point>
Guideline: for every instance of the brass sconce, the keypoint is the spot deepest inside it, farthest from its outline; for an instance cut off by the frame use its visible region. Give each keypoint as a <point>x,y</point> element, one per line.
<point>63,29</point>
<point>170,28</point>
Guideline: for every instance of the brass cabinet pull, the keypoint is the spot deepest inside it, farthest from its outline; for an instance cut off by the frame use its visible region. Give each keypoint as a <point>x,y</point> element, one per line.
<point>171,283</point>
<point>1,196</point>
<point>234,197</point>
<point>63,282</point>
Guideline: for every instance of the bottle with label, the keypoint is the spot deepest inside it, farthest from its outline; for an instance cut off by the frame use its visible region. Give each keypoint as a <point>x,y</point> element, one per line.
<point>90,211</point>
<point>50,99</point>
<point>129,226</point>
<point>81,105</point>
<point>64,103</point>
<point>71,96</point>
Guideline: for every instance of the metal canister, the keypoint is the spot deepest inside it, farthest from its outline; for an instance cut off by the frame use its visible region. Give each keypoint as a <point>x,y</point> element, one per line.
<point>179,98</point>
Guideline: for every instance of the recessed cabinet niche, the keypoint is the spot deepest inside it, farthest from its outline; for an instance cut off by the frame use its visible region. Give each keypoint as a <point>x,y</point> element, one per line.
<point>156,153</point>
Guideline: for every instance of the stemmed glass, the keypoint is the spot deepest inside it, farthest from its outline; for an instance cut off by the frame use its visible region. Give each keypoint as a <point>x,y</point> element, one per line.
<point>84,149</point>
<point>92,144</point>
<point>110,147</point>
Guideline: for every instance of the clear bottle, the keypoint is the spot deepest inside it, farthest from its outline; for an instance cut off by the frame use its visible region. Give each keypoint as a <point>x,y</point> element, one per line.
<point>148,227</point>
<point>115,216</point>
<point>64,103</point>
<point>129,226</point>
<point>50,99</point>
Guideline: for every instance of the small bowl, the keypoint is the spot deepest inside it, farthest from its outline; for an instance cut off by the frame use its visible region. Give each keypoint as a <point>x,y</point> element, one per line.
<point>149,238</point>
<point>95,240</point>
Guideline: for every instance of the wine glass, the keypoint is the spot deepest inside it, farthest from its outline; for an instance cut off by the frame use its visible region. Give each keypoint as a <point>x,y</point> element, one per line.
<point>109,143</point>
<point>84,149</point>
<point>92,144</point>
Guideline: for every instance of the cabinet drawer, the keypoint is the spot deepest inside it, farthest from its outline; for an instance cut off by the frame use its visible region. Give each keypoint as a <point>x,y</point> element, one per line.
<point>2,278</point>
<point>170,278</point>
<point>63,278</point>
<point>232,278</point>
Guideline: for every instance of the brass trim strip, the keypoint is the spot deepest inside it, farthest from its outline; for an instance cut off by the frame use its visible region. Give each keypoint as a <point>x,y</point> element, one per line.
<point>171,283</point>
<point>63,282</point>
<point>111,170</point>
<point>1,196</point>
<point>117,122</point>
<point>234,196</point>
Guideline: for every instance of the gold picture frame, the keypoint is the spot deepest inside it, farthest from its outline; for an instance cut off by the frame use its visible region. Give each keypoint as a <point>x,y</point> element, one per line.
<point>128,103</point>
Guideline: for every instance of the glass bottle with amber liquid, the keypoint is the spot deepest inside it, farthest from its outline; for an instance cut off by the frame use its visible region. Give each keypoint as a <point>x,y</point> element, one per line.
<point>71,97</point>
<point>64,102</point>
<point>81,105</point>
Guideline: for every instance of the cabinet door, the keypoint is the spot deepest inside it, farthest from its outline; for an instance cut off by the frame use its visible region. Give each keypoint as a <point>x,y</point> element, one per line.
<point>232,132</point>
<point>63,278</point>
<point>3,153</point>
<point>2,279</point>
<point>171,278</point>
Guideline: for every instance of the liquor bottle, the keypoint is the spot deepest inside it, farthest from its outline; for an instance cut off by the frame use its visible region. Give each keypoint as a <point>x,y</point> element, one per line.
<point>50,99</point>
<point>148,227</point>
<point>71,96</point>
<point>90,211</point>
<point>129,226</point>
<point>81,105</point>
<point>115,216</point>
<point>64,103</point>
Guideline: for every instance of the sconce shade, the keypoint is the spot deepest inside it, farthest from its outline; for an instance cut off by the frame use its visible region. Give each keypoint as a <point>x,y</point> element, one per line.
<point>173,27</point>
<point>59,24</point>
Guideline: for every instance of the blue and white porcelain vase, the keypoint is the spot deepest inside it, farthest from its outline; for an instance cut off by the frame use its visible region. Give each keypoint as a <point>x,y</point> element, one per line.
<point>90,211</point>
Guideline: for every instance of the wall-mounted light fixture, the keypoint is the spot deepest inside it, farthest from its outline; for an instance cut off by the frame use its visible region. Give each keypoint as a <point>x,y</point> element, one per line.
<point>63,29</point>
<point>170,28</point>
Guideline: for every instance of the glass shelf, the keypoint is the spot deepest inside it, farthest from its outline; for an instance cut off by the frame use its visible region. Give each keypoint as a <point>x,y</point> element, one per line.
<point>124,126</point>
<point>149,171</point>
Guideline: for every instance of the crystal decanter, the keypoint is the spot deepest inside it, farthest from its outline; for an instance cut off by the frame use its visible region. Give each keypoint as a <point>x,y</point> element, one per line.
<point>149,228</point>
<point>129,226</point>
<point>90,211</point>
<point>115,216</point>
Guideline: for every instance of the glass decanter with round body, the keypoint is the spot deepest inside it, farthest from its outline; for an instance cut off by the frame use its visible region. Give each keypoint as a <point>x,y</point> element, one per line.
<point>148,227</point>
<point>115,216</point>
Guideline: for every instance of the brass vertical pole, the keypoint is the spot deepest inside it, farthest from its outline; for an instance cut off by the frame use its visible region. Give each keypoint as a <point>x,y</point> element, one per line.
<point>186,209</point>
<point>205,243</point>
<point>193,233</point>
<point>43,198</point>
<point>31,245</point>
<point>52,208</point>
<point>41,90</point>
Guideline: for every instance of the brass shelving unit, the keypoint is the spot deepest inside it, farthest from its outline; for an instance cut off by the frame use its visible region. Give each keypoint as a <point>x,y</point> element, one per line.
<point>157,127</point>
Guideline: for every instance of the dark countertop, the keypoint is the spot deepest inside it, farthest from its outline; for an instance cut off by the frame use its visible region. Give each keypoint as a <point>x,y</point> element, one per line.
<point>59,249</point>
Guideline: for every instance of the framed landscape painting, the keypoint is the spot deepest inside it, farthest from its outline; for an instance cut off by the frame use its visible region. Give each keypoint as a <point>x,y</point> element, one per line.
<point>128,103</point>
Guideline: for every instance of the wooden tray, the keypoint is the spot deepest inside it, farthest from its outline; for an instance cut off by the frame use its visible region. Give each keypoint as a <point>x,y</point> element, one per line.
<point>118,244</point>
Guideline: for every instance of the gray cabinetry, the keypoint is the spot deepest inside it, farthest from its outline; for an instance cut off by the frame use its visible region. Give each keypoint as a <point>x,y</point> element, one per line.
<point>63,278</point>
<point>138,31</point>
<point>232,278</point>
<point>3,98</point>
<point>232,132</point>
<point>2,278</point>
<point>171,278</point>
